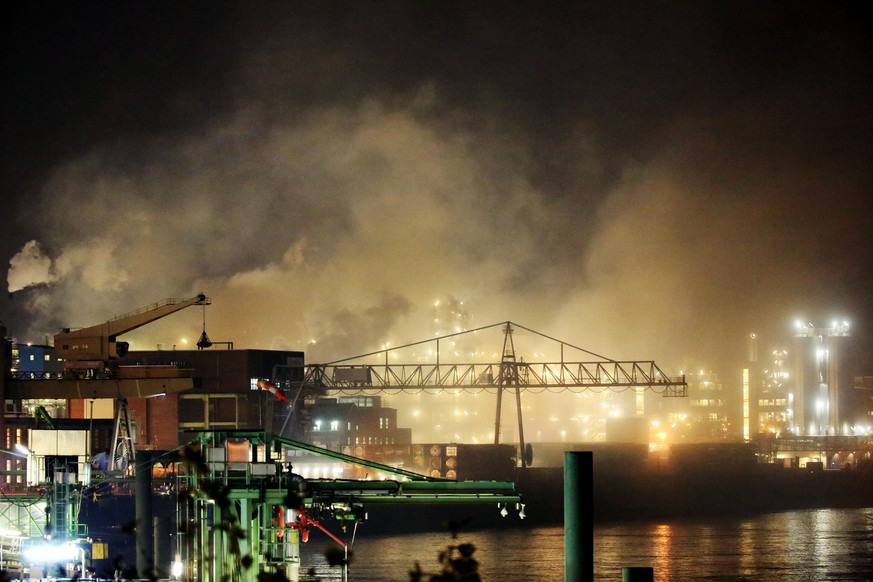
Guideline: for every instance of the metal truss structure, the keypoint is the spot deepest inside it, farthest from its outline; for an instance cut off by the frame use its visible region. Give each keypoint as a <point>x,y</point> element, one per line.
<point>358,374</point>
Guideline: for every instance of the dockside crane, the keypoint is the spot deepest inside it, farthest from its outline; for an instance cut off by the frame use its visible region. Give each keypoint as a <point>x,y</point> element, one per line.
<point>90,348</point>
<point>88,351</point>
<point>90,357</point>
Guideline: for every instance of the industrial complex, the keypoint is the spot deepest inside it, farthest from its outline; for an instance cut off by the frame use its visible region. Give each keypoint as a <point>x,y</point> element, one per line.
<point>214,462</point>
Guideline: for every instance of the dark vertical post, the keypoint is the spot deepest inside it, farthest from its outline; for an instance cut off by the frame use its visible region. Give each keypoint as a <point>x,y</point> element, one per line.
<point>5,368</point>
<point>520,426</point>
<point>578,516</point>
<point>145,531</point>
<point>163,540</point>
<point>499,400</point>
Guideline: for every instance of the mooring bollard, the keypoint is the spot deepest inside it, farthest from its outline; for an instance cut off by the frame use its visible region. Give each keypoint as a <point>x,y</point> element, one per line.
<point>578,516</point>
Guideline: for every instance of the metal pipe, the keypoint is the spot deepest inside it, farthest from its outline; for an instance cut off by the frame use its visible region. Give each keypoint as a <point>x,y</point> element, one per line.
<point>145,533</point>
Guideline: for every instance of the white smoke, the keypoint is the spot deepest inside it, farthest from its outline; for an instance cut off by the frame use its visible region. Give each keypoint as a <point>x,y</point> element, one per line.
<point>326,212</point>
<point>30,267</point>
<point>340,228</point>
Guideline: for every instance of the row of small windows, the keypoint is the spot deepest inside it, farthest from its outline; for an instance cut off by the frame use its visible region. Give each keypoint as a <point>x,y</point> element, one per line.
<point>359,401</point>
<point>32,357</point>
<point>765,417</point>
<point>705,402</point>
<point>371,441</point>
<point>334,425</point>
<point>773,402</point>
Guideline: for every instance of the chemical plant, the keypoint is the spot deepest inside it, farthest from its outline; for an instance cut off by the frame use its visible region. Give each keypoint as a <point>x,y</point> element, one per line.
<point>220,463</point>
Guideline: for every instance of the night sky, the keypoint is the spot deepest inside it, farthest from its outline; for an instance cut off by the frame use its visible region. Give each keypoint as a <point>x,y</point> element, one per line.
<point>648,180</point>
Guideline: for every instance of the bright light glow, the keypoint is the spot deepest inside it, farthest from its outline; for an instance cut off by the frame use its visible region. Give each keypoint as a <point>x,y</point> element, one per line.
<point>176,568</point>
<point>52,553</point>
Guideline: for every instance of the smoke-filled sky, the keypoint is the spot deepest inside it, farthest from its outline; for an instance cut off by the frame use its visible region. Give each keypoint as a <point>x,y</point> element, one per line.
<point>648,180</point>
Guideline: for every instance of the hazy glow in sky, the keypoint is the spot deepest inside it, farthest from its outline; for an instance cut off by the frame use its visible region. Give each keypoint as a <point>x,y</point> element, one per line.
<point>643,195</point>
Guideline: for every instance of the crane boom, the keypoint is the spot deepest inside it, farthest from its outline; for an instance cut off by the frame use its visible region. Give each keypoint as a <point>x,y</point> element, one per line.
<point>98,342</point>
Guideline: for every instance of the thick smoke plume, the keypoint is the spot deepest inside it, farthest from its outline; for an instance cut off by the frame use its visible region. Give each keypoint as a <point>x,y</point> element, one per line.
<point>343,180</point>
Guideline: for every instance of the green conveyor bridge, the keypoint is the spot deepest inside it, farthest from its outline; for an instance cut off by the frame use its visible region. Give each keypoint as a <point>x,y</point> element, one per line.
<point>247,511</point>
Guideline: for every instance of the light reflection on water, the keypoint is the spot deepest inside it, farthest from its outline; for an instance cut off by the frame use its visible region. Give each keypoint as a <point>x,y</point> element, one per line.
<point>812,545</point>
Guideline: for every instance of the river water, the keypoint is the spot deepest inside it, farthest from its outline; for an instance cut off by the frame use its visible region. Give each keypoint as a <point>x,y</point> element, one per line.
<point>808,545</point>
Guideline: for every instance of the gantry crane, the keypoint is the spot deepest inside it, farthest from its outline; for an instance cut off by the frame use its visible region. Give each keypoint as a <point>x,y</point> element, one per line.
<point>510,373</point>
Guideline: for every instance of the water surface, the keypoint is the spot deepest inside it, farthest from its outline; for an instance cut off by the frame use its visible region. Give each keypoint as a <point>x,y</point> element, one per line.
<point>804,546</point>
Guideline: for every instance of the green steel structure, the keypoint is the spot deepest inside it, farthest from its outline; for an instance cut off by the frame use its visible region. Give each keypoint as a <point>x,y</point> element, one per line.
<point>22,518</point>
<point>246,511</point>
<point>37,515</point>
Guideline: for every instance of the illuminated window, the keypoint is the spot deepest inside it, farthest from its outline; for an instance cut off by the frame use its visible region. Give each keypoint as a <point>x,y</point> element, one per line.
<point>334,425</point>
